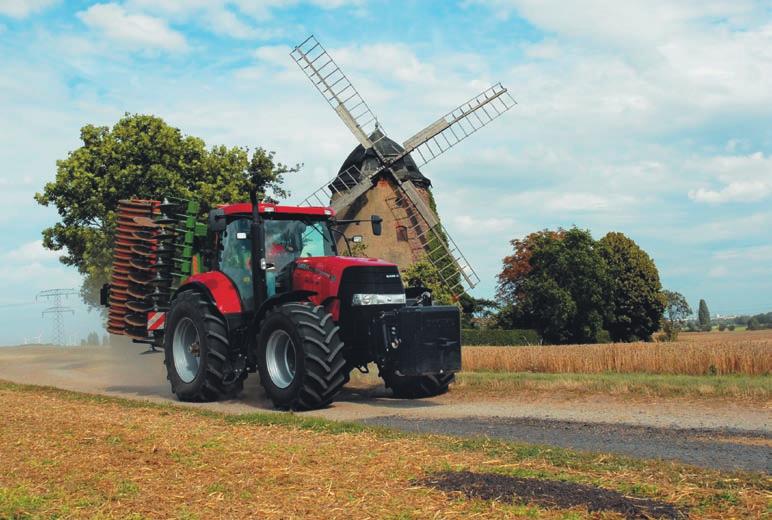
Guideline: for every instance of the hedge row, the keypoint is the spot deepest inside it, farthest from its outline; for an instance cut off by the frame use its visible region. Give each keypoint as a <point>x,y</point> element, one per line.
<point>499,337</point>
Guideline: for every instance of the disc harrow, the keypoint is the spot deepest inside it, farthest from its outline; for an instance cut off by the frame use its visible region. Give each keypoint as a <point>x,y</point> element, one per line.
<point>134,237</point>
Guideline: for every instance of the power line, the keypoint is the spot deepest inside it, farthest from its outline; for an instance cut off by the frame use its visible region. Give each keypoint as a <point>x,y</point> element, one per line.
<point>57,310</point>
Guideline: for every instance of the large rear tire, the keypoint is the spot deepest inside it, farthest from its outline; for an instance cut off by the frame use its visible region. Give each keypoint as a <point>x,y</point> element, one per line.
<point>300,357</point>
<point>416,387</point>
<point>196,351</point>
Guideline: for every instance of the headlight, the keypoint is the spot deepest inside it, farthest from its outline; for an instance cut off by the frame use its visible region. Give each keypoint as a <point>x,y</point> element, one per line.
<point>378,299</point>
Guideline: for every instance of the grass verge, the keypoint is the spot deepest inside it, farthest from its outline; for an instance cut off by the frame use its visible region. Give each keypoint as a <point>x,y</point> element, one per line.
<point>739,387</point>
<point>74,455</point>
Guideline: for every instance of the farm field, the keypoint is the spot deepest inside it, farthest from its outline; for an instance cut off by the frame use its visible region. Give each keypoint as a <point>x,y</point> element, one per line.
<point>707,353</point>
<point>714,365</point>
<point>95,456</point>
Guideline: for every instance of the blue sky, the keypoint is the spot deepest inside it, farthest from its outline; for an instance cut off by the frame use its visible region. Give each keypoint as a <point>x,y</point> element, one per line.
<point>651,118</point>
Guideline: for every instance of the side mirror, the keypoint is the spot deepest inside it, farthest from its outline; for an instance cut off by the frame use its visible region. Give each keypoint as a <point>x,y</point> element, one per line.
<point>376,221</point>
<point>357,239</point>
<point>217,220</point>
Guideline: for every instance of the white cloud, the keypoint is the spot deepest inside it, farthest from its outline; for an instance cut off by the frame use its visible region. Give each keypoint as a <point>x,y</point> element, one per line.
<point>473,225</point>
<point>274,55</point>
<point>33,267</point>
<point>30,252</point>
<point>718,271</point>
<point>228,24</point>
<point>751,254</point>
<point>745,178</point>
<point>717,229</point>
<point>136,30</point>
<point>641,22</point>
<point>23,8</point>
<point>548,49</point>
<point>743,262</point>
<point>245,19</point>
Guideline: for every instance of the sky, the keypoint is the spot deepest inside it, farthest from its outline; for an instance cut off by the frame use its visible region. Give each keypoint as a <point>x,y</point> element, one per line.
<point>653,118</point>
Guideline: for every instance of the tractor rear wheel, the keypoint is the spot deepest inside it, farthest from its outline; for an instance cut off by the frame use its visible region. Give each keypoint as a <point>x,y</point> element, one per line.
<point>196,351</point>
<point>416,387</point>
<point>300,357</point>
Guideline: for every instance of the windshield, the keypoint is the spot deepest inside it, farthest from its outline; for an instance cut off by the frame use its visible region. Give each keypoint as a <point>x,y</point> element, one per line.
<point>286,240</point>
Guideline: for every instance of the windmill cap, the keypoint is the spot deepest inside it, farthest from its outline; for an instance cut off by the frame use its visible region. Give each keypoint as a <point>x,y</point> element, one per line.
<point>366,160</point>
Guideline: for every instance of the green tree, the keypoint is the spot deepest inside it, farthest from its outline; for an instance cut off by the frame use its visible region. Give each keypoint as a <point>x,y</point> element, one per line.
<point>358,249</point>
<point>477,312</point>
<point>676,311</point>
<point>564,292</point>
<point>636,292</point>
<point>425,272</point>
<point>703,316</point>
<point>141,157</point>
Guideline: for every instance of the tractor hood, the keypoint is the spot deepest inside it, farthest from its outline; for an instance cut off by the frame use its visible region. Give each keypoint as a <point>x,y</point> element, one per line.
<point>323,275</point>
<point>331,267</point>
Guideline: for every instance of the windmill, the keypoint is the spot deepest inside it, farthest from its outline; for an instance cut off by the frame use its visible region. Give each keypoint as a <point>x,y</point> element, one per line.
<point>383,177</point>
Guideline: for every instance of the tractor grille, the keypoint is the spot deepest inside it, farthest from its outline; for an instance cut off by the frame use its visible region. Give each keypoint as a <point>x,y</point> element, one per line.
<point>355,322</point>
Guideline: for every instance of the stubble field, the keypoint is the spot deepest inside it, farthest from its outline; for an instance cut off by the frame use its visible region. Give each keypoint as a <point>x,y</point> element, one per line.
<point>71,455</point>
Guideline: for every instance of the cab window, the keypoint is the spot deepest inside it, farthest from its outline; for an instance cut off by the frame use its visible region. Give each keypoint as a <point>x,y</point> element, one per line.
<point>236,259</point>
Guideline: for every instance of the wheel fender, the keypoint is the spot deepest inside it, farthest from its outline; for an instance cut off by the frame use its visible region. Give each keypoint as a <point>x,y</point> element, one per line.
<point>198,287</point>
<point>279,299</point>
<point>218,288</point>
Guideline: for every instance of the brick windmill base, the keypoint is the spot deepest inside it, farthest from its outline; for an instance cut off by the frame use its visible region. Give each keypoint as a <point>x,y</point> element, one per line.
<point>399,242</point>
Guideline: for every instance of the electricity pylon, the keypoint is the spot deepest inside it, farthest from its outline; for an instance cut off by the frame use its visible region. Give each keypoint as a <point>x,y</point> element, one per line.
<point>57,310</point>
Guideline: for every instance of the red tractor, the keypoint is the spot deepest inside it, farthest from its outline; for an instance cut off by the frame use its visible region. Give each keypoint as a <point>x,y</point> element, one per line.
<point>272,295</point>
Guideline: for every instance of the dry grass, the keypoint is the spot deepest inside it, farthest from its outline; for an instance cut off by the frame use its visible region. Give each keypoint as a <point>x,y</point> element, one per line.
<point>741,390</point>
<point>69,455</point>
<point>712,353</point>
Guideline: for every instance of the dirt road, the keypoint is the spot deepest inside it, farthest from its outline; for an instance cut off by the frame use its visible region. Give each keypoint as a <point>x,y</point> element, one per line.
<point>708,434</point>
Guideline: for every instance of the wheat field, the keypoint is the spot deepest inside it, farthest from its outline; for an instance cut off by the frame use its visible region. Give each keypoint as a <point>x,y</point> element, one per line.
<point>712,353</point>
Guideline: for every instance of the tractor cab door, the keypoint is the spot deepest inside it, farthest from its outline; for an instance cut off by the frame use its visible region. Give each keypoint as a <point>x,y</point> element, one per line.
<point>235,259</point>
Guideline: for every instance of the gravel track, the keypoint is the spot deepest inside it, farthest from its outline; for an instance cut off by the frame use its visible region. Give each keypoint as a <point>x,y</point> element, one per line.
<point>725,449</point>
<point>720,435</point>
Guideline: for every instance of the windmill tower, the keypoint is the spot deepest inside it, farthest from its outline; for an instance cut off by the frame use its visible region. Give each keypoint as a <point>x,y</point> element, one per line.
<point>382,177</point>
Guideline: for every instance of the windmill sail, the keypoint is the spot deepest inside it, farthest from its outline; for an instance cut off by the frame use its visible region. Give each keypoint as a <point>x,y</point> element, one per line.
<point>440,249</point>
<point>458,124</point>
<point>336,88</point>
<point>342,190</point>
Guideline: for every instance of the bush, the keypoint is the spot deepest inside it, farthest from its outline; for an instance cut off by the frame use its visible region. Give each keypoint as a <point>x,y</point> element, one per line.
<point>731,326</point>
<point>499,337</point>
<point>722,327</point>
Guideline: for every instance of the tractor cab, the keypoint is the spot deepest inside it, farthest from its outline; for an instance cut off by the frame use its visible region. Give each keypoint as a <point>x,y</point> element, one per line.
<point>289,233</point>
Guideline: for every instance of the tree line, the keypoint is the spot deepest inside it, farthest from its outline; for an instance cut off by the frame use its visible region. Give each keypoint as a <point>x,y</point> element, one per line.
<point>574,289</point>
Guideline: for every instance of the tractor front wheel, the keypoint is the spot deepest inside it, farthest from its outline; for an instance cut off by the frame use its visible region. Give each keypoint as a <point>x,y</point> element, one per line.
<point>416,387</point>
<point>300,357</point>
<point>196,351</point>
